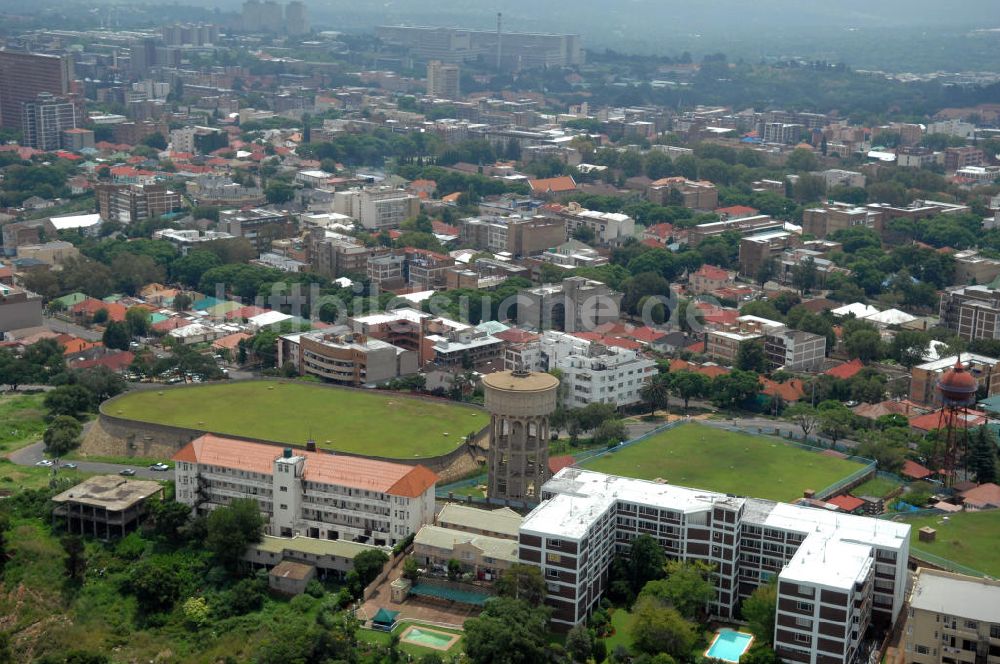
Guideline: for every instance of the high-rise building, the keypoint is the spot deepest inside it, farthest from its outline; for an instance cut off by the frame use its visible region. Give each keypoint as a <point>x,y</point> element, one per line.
<point>296,22</point>
<point>24,76</point>
<point>973,312</point>
<point>515,50</point>
<point>520,403</point>
<point>44,119</point>
<point>442,80</point>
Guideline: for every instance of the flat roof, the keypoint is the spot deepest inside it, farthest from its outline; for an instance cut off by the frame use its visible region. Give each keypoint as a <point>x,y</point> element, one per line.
<point>112,492</point>
<point>956,595</point>
<point>313,546</point>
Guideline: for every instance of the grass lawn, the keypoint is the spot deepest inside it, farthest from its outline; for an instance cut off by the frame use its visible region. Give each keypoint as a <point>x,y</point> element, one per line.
<point>382,638</point>
<point>703,457</point>
<point>621,620</point>
<point>355,421</point>
<point>22,420</point>
<point>877,487</point>
<point>967,538</point>
<point>19,478</point>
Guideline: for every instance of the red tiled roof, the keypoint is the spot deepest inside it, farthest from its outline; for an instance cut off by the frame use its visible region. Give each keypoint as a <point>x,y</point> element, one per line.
<point>710,370</point>
<point>737,211</point>
<point>171,324</point>
<point>516,336</point>
<point>90,306</point>
<point>846,369</point>
<point>553,185</point>
<point>790,390</point>
<point>696,347</point>
<point>442,228</point>
<point>914,470</point>
<point>369,474</point>
<point>935,420</point>
<point>557,463</point>
<point>661,230</point>
<point>847,503</point>
<point>115,361</point>
<point>984,495</point>
<point>712,272</point>
<point>230,341</point>
<point>74,345</point>
<point>451,198</point>
<point>607,340</point>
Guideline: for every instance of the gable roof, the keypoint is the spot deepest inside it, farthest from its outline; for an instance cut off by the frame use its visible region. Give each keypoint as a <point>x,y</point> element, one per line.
<point>845,370</point>
<point>553,185</point>
<point>914,470</point>
<point>356,472</point>
<point>847,503</point>
<point>984,495</point>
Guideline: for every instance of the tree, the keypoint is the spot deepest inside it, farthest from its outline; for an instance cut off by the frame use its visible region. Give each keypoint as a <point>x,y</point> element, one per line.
<point>732,389</point>
<point>369,564</point>
<point>579,644</point>
<point>157,582</point>
<point>610,432</point>
<point>689,385</point>
<point>750,357</point>
<point>169,516</point>
<point>801,159</point>
<point>590,416</point>
<point>836,422</point>
<point>116,335</point>
<point>137,321</point>
<point>687,588</point>
<point>863,344</point>
<point>231,529</point>
<point>657,628</point>
<point>983,456</point>
<point>804,275</point>
<point>908,347</point>
<point>182,301</point>
<point>804,415</point>
<point>62,436</point>
<point>156,141</point>
<point>14,371</point>
<point>100,317</point>
<point>760,610</point>
<point>189,269</point>
<point>133,271</point>
<point>75,563</point>
<point>411,569</point>
<point>645,562</point>
<point>70,400</point>
<point>454,570</point>
<point>656,392</point>
<point>508,631</point>
<point>279,192</point>
<point>523,582</point>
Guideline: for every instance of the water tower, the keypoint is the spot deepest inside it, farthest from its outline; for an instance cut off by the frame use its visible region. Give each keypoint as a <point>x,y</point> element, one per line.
<point>957,388</point>
<point>520,403</point>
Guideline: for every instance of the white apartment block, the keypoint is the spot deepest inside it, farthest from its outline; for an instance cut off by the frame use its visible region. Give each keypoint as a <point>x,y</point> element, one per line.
<point>608,227</point>
<point>378,208</point>
<point>305,493</point>
<point>836,573</point>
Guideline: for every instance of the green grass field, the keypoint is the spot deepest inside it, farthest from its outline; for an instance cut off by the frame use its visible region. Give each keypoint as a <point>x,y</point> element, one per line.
<point>703,457</point>
<point>966,538</point>
<point>877,487</point>
<point>375,423</point>
<point>22,420</point>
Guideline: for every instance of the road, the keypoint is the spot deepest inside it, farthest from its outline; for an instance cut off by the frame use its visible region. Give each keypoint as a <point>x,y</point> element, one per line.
<point>30,455</point>
<point>63,327</point>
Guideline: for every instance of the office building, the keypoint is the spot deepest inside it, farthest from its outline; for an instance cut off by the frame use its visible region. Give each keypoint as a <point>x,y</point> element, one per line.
<point>520,403</point>
<point>953,619</point>
<point>259,226</point>
<point>312,494</point>
<point>190,34</point>
<point>513,50</point>
<point>24,76</point>
<point>345,358</point>
<point>836,573</point>
<point>442,80</point>
<point>44,119</point>
<point>575,305</point>
<point>924,377</point>
<point>602,374</point>
<point>973,312</point>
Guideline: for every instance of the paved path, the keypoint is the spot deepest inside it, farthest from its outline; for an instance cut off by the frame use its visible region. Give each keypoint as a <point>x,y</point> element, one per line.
<point>28,456</point>
<point>65,327</point>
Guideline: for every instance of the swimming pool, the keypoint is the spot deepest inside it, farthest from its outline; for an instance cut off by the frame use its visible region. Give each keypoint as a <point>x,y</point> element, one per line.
<point>729,645</point>
<point>429,638</point>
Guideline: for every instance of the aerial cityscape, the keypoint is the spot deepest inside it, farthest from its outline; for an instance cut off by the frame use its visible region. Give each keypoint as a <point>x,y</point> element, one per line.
<point>448,333</point>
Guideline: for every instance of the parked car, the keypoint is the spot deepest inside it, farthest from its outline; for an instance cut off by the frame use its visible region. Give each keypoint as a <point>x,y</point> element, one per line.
<point>127,472</point>
<point>159,466</point>
<point>48,463</point>
<point>68,464</point>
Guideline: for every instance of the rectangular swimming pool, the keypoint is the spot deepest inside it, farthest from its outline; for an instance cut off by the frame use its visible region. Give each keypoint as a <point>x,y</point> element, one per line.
<point>729,645</point>
<point>429,638</point>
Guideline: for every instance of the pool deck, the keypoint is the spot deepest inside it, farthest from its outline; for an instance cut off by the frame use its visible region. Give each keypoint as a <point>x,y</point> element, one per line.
<point>452,638</point>
<point>414,608</point>
<point>718,633</point>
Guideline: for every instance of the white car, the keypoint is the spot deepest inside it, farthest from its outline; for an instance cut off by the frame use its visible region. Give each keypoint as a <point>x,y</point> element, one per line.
<point>159,466</point>
<point>48,463</point>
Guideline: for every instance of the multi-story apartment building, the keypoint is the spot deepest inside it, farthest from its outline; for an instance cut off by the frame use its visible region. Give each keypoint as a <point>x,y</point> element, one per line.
<point>698,195</point>
<point>24,76</point>
<point>521,236</point>
<point>258,225</point>
<point>761,248</point>
<point>837,177</point>
<point>973,268</point>
<point>723,343</point>
<point>307,493</point>
<point>603,374</point>
<point>917,157</point>
<point>377,208</point>
<point>780,132</point>
<point>826,220</point>
<point>836,573</point>
<point>710,278</point>
<point>743,225</point>
<point>924,377</point>
<point>953,619</point>
<point>794,350</point>
<point>956,158</point>
<point>607,227</point>
<point>19,309</point>
<point>971,311</point>
<point>127,203</point>
<point>442,80</point>
<point>468,347</point>
<point>345,358</point>
<point>576,305</point>
<point>334,255</point>
<point>427,270</point>
<point>44,119</point>
<point>510,50</point>
<point>387,270</point>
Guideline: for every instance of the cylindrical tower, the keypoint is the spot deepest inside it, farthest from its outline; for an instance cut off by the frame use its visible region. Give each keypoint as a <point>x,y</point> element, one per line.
<point>957,388</point>
<point>520,403</point>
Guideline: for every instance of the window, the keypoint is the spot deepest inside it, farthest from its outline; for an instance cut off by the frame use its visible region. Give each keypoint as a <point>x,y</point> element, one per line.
<point>552,573</point>
<point>553,558</point>
<point>803,638</point>
<point>805,607</point>
<point>804,622</point>
<point>808,591</point>
<point>922,650</point>
<point>284,488</point>
<point>284,507</point>
<point>971,624</point>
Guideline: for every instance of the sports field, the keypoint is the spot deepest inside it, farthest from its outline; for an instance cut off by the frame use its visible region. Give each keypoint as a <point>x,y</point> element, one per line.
<point>374,423</point>
<point>966,538</point>
<point>704,457</point>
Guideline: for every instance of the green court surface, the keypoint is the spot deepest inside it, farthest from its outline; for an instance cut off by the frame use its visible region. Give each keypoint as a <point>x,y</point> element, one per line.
<point>375,423</point>
<point>703,457</point>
